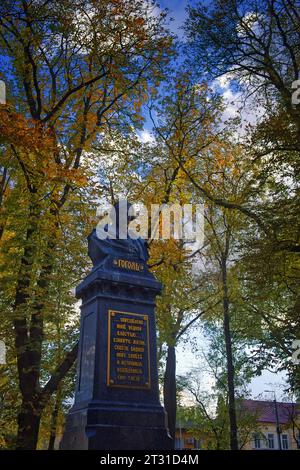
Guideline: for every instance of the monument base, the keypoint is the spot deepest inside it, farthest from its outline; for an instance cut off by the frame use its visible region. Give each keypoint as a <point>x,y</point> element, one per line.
<point>99,427</point>
<point>117,404</point>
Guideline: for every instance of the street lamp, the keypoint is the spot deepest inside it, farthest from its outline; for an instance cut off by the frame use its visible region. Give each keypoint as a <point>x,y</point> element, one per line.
<point>278,430</point>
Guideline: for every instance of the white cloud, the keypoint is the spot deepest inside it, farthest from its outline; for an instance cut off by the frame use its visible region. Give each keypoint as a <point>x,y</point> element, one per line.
<point>223,81</point>
<point>145,137</point>
<point>235,104</point>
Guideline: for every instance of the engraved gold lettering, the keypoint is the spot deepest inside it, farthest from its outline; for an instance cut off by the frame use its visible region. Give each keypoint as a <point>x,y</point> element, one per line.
<point>128,361</point>
<point>130,265</point>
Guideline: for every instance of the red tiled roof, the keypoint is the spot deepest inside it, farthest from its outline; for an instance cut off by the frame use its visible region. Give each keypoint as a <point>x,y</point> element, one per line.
<point>265,410</point>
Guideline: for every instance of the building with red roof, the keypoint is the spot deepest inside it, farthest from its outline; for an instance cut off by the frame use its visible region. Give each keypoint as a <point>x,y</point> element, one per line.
<point>278,425</point>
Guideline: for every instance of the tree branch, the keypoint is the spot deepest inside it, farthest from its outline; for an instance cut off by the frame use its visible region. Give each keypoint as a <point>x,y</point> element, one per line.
<point>59,373</point>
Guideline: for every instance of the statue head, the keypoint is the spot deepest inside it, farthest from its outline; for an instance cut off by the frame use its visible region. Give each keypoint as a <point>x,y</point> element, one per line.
<point>122,213</point>
<point>114,238</point>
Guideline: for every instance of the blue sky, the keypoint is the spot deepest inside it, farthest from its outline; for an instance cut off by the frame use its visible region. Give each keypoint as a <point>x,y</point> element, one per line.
<point>177,11</point>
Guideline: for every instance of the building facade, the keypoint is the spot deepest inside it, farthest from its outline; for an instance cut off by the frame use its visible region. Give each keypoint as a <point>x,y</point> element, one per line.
<point>276,426</point>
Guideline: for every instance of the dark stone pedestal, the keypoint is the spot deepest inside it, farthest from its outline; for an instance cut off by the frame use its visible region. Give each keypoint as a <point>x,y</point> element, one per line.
<point>117,402</point>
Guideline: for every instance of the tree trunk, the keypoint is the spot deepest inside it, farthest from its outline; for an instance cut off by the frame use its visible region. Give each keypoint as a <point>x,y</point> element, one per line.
<point>54,419</point>
<point>230,366</point>
<point>170,390</point>
<point>33,403</point>
<point>29,335</point>
<point>28,425</point>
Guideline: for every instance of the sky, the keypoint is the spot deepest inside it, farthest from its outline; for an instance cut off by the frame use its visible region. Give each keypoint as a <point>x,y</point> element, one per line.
<point>177,11</point>
<point>259,387</point>
<point>186,358</point>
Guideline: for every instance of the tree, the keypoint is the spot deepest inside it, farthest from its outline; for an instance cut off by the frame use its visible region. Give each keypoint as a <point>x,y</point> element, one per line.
<point>255,46</point>
<point>183,124</point>
<point>256,42</point>
<point>223,226</point>
<point>73,73</point>
<point>220,246</point>
<point>208,413</point>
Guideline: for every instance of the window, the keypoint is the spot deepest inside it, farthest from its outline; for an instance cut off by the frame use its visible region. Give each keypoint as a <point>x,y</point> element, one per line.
<point>178,443</point>
<point>189,440</point>
<point>197,444</point>
<point>285,442</point>
<point>256,438</point>
<point>271,441</point>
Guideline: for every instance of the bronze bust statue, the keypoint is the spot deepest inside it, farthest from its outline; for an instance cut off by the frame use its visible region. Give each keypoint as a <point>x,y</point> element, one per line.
<point>99,249</point>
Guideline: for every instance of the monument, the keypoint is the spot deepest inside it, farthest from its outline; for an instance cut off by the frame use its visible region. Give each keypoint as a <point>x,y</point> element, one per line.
<point>117,403</point>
